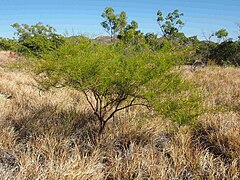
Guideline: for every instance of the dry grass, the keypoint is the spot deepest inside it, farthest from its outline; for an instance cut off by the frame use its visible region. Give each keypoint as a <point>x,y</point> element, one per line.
<point>7,57</point>
<point>52,135</point>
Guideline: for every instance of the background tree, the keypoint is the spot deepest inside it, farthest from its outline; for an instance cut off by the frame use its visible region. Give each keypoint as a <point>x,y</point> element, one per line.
<point>221,34</point>
<point>37,39</point>
<point>113,23</point>
<point>171,24</point>
<point>130,35</point>
<point>227,52</point>
<point>7,44</point>
<point>122,21</point>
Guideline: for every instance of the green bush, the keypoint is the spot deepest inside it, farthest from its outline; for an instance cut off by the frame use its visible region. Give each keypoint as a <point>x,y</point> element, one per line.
<point>9,44</point>
<point>228,52</point>
<point>152,40</point>
<point>113,78</point>
<point>36,40</point>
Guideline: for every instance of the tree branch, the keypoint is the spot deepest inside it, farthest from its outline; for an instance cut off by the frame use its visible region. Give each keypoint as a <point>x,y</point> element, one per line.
<point>127,106</point>
<point>88,100</point>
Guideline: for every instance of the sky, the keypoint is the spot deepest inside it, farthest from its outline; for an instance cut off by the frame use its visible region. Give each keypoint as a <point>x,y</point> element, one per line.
<point>75,17</point>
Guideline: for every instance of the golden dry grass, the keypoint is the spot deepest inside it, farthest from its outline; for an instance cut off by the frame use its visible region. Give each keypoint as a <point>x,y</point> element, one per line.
<point>7,57</point>
<point>52,135</point>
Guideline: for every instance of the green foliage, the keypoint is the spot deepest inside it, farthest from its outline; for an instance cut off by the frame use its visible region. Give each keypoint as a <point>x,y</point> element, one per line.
<point>130,35</point>
<point>9,44</point>
<point>116,24</point>
<point>113,23</point>
<point>182,108</point>
<point>38,39</point>
<point>113,78</point>
<point>221,34</point>
<point>152,40</point>
<point>171,24</point>
<point>227,52</point>
<point>204,49</point>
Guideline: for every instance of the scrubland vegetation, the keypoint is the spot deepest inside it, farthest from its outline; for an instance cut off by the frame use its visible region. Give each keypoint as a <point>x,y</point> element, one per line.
<point>133,108</point>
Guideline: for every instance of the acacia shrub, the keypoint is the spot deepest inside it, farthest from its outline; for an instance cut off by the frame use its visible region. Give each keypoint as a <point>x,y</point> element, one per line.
<point>36,40</point>
<point>113,78</point>
<point>7,44</point>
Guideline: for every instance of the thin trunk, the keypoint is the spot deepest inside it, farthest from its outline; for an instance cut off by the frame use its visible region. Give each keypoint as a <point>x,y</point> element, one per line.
<point>101,128</point>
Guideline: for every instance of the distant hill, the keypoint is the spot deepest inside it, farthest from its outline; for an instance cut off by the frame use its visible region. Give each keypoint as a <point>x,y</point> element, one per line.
<point>101,39</point>
<point>105,39</point>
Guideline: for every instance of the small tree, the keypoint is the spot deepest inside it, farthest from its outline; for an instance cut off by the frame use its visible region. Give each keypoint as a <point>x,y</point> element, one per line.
<point>221,34</point>
<point>130,35</point>
<point>111,79</point>
<point>113,23</point>
<point>171,24</point>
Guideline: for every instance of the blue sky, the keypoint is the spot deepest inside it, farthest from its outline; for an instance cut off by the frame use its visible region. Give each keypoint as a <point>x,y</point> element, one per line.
<point>84,17</point>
